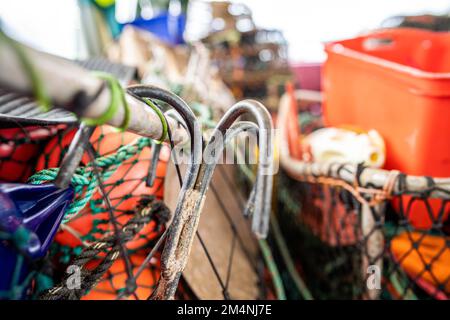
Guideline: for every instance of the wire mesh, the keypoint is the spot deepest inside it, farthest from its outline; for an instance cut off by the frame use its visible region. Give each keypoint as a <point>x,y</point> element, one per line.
<point>99,233</point>
<point>116,248</point>
<point>124,190</point>
<point>341,237</point>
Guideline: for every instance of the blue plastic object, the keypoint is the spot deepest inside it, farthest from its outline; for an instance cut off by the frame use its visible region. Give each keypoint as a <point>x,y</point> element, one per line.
<point>167,27</point>
<point>30,215</point>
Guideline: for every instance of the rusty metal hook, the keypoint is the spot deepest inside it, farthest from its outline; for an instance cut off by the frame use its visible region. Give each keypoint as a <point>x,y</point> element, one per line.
<point>182,230</point>
<point>259,202</point>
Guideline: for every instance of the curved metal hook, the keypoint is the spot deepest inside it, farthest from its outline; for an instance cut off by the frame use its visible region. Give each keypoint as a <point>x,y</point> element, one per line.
<point>193,127</point>
<point>182,230</point>
<point>74,155</point>
<point>186,213</point>
<point>260,198</point>
<point>208,171</point>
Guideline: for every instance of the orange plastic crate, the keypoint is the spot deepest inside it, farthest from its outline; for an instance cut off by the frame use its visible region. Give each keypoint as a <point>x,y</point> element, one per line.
<point>398,82</point>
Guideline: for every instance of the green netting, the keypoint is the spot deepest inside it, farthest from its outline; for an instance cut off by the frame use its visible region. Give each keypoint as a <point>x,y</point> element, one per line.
<point>111,181</point>
<point>114,182</point>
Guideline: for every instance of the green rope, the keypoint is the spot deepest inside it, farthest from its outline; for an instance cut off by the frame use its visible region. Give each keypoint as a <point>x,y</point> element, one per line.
<point>117,99</point>
<point>284,251</point>
<point>20,238</point>
<point>43,283</point>
<point>39,91</point>
<point>85,181</point>
<point>268,258</point>
<point>265,248</point>
<point>162,118</point>
<point>80,182</point>
<point>117,93</point>
<point>16,291</point>
<point>65,253</point>
<point>408,293</point>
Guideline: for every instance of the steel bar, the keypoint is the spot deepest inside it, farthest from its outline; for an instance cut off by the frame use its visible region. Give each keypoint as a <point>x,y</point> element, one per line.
<point>187,214</point>
<point>73,88</point>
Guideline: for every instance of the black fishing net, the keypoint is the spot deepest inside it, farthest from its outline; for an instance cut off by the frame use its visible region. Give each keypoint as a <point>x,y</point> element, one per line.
<point>113,232</point>
<point>341,239</point>
<point>102,213</point>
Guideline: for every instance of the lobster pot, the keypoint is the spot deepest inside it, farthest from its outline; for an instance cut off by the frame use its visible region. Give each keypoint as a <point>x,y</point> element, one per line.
<point>19,148</point>
<point>110,188</point>
<point>348,242</point>
<point>26,129</point>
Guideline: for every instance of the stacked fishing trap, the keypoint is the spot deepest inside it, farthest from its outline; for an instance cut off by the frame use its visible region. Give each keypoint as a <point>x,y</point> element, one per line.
<point>85,211</point>
<point>357,232</point>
